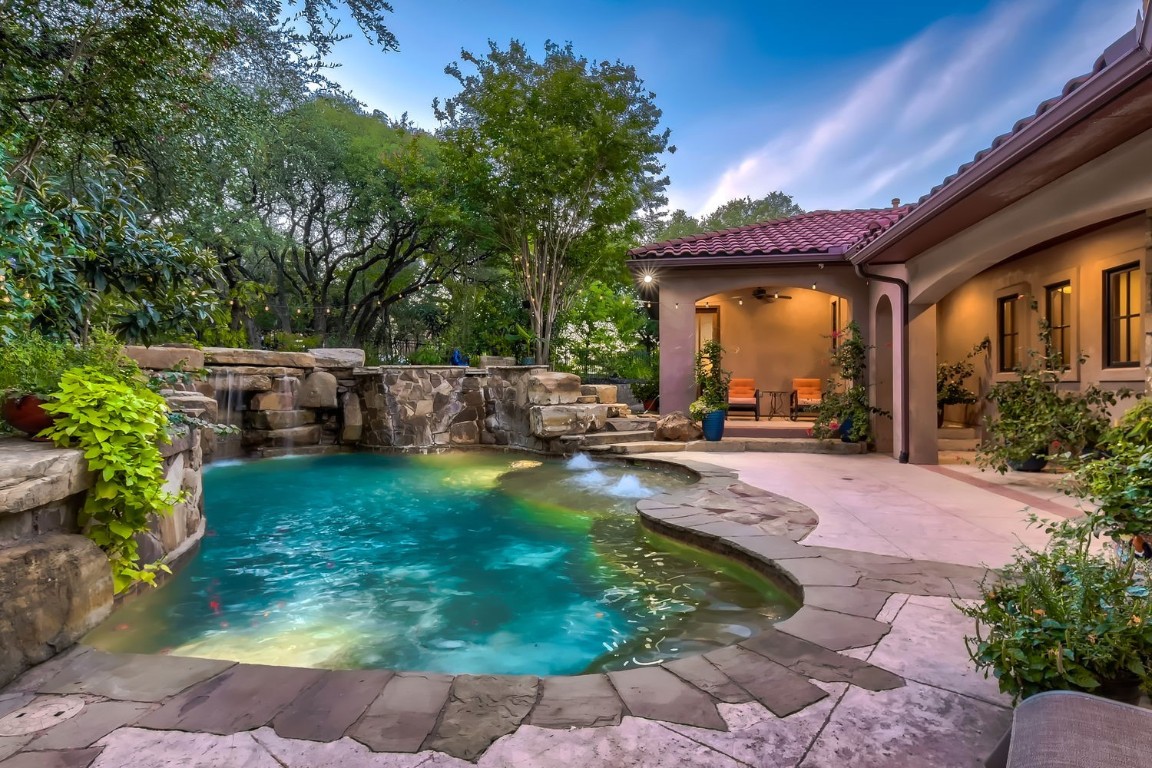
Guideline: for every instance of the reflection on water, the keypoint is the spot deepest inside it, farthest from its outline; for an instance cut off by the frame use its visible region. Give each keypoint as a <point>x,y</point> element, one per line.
<point>454,563</point>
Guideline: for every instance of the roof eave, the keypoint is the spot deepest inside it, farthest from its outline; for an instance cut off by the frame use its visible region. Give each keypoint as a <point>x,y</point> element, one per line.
<point>640,263</point>
<point>1133,66</point>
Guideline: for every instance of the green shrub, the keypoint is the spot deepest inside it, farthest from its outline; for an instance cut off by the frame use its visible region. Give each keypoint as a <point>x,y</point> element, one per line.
<point>1117,479</point>
<point>845,398</point>
<point>711,380</point>
<point>117,423</point>
<point>33,364</point>
<point>1063,618</point>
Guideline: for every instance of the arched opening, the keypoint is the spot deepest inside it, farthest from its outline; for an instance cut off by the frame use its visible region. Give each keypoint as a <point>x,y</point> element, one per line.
<point>773,333</point>
<point>882,375</point>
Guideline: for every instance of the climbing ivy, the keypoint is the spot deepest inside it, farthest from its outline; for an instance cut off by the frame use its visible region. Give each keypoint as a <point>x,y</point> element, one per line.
<point>117,422</point>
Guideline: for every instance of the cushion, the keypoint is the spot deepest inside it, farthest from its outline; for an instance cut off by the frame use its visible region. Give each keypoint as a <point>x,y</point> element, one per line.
<point>742,401</point>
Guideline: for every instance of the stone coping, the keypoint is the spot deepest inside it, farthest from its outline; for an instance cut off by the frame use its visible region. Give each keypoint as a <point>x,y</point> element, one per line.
<point>462,715</point>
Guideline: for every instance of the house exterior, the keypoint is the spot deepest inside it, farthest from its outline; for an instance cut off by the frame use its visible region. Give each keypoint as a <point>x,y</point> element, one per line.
<point>1052,222</point>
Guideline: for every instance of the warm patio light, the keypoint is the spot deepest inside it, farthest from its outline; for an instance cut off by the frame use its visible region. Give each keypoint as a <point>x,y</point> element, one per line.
<point>648,279</point>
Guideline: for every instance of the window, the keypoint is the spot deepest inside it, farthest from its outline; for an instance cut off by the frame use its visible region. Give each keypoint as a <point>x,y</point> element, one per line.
<point>1122,316</point>
<point>1058,313</point>
<point>1007,332</point>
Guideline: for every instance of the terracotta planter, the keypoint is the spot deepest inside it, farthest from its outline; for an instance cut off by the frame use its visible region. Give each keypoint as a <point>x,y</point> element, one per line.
<point>26,413</point>
<point>650,404</point>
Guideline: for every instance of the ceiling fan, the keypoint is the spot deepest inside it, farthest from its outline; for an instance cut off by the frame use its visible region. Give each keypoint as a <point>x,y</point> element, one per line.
<point>768,296</point>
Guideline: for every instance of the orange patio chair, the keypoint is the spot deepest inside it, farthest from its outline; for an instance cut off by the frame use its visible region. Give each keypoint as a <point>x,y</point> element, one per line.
<point>807,394</point>
<point>743,396</point>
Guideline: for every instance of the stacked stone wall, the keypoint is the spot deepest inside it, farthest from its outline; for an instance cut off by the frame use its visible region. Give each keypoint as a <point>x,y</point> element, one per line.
<point>55,584</point>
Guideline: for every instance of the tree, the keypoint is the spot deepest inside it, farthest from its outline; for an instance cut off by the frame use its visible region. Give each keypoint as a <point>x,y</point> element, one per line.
<point>356,214</point>
<point>77,74</point>
<point>739,212</point>
<point>557,155</point>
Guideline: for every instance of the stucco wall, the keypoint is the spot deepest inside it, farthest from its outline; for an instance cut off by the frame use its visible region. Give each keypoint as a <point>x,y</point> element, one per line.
<point>776,342</point>
<point>680,289</point>
<point>968,314</point>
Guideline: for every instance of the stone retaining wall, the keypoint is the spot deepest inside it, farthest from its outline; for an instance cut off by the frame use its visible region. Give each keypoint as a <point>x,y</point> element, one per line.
<point>55,584</point>
<point>315,400</point>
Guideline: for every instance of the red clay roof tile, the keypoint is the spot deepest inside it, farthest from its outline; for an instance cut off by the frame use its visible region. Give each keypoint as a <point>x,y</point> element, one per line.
<point>818,232</point>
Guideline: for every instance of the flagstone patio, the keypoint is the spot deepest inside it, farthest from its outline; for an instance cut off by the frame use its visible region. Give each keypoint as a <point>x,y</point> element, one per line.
<point>871,671</point>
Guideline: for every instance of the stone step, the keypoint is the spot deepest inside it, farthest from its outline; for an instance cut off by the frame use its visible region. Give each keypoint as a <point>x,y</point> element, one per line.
<point>646,446</point>
<point>948,444</point>
<point>606,438</point>
<point>630,425</point>
<point>956,433</point>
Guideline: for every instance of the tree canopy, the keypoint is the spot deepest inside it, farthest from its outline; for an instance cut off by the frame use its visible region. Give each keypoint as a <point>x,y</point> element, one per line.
<point>734,213</point>
<point>557,155</point>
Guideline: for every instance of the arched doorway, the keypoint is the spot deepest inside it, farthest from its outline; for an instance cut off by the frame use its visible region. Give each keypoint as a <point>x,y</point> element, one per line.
<point>882,372</point>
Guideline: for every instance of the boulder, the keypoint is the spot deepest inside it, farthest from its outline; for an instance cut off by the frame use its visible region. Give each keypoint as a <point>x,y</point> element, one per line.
<point>604,393</point>
<point>318,391</point>
<point>677,426</point>
<point>353,428</point>
<point>464,433</point>
<point>194,403</point>
<point>53,590</point>
<point>282,438</point>
<point>547,421</point>
<point>263,357</point>
<point>166,358</point>
<point>281,419</point>
<point>553,388</point>
<point>273,401</point>
<point>338,358</point>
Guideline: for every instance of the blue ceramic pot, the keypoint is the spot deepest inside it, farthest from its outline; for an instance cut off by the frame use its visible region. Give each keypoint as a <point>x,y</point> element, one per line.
<point>846,430</point>
<point>713,425</point>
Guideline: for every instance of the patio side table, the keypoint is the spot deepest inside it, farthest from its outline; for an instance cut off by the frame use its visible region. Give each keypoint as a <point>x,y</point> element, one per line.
<point>777,402</point>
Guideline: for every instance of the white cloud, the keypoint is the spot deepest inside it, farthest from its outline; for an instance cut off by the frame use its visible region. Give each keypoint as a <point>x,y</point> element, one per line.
<point>923,110</point>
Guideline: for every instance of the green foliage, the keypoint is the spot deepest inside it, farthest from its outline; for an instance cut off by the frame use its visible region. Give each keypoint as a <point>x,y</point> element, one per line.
<point>1036,419</point>
<point>33,364</point>
<point>951,379</point>
<point>1117,479</point>
<point>600,332</point>
<point>845,400</point>
<point>711,380</point>
<point>739,212</point>
<point>1063,618</point>
<point>89,256</point>
<point>557,156</point>
<point>117,423</point>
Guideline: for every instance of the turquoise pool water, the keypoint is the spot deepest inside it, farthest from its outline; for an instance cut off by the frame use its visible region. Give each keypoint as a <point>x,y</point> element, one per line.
<point>471,562</point>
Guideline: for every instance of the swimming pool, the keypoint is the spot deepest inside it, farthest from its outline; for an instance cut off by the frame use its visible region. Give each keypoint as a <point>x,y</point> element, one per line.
<point>460,563</point>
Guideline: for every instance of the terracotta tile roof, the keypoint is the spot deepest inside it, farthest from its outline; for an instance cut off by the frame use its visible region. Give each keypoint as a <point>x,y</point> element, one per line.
<point>818,232</point>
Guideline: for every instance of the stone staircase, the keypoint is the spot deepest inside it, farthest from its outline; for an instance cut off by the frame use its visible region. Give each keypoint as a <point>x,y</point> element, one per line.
<point>618,430</point>
<point>956,438</point>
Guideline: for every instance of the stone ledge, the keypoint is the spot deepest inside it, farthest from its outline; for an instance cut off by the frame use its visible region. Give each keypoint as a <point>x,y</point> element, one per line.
<point>35,474</point>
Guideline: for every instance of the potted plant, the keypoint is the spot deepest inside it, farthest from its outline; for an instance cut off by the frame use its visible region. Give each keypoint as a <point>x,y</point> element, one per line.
<point>31,366</point>
<point>647,391</point>
<point>1065,618</point>
<point>951,379</point>
<point>711,406</point>
<point>845,411</point>
<point>1035,421</point>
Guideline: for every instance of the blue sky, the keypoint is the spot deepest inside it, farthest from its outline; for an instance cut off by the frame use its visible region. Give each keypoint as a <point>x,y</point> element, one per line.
<point>839,103</point>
